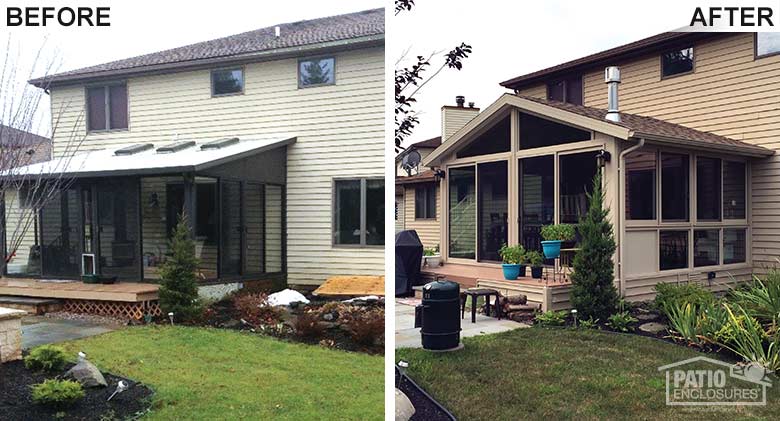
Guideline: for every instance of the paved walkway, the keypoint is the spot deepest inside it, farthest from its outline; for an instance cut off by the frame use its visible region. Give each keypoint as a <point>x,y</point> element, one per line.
<point>37,330</point>
<point>406,336</point>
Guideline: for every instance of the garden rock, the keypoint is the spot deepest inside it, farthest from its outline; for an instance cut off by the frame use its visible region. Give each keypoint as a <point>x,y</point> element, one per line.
<point>646,317</point>
<point>403,407</point>
<point>652,327</point>
<point>87,374</point>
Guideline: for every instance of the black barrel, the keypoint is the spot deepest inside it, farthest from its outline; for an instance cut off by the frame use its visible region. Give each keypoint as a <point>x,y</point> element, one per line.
<point>440,315</point>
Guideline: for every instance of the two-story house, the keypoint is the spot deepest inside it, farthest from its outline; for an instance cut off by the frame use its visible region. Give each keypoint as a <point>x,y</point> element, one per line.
<point>684,128</point>
<point>270,141</point>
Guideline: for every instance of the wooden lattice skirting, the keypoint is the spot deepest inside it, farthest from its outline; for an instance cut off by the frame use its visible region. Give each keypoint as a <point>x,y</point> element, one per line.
<point>135,310</point>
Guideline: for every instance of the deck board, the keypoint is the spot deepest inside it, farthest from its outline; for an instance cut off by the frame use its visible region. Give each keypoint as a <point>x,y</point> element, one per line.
<point>124,291</point>
<point>468,275</point>
<point>352,286</point>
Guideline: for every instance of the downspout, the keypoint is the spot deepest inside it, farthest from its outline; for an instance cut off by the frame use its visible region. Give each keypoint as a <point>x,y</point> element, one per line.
<point>621,214</point>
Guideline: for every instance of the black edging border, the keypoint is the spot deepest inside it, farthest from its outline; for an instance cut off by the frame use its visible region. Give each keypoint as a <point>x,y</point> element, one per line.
<point>441,407</point>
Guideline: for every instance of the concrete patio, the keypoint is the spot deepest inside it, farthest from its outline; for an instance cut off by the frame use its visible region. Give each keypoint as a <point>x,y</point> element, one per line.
<point>37,330</point>
<point>406,336</point>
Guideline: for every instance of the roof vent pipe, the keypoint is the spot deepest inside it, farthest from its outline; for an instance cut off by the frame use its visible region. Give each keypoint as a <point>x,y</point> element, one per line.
<point>612,78</point>
<point>460,100</point>
<point>277,31</point>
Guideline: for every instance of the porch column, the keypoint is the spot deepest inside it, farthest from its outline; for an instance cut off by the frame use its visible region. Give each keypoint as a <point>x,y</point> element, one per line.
<point>513,214</point>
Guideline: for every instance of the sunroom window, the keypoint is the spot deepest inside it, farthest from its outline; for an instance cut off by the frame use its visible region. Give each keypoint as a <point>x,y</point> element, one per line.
<point>708,189</point>
<point>706,247</point>
<point>462,215</point>
<point>674,187</point>
<point>734,197</point>
<point>673,249</point>
<point>641,185</point>
<point>734,245</point>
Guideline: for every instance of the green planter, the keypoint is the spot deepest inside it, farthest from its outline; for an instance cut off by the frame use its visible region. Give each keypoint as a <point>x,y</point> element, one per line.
<point>90,279</point>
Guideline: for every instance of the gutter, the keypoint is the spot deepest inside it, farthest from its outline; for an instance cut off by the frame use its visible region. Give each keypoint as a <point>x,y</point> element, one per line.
<point>744,149</point>
<point>621,214</point>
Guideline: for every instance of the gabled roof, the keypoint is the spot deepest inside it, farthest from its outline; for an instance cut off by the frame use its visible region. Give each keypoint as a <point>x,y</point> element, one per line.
<point>148,161</point>
<point>610,57</point>
<point>365,26</point>
<point>589,118</point>
<point>431,143</point>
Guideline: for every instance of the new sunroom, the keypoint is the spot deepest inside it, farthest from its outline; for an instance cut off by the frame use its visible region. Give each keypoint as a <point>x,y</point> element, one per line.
<point>115,210</point>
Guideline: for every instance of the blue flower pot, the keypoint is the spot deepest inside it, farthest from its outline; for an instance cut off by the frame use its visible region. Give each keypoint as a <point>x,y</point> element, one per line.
<point>552,249</point>
<point>511,272</point>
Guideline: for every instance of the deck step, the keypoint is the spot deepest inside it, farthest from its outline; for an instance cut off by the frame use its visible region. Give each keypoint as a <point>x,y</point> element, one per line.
<point>31,305</point>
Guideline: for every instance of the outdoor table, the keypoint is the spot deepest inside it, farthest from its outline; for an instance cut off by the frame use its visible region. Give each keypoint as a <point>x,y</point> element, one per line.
<point>475,293</point>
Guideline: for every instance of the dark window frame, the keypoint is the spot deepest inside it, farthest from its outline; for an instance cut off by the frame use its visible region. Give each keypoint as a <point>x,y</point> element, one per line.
<point>363,213</point>
<point>427,212</point>
<point>757,56</point>
<point>671,50</point>
<point>565,81</point>
<point>107,106</point>
<point>242,69</point>
<point>305,59</point>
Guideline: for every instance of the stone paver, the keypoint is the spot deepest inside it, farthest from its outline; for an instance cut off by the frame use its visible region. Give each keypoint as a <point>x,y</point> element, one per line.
<point>406,336</point>
<point>38,330</point>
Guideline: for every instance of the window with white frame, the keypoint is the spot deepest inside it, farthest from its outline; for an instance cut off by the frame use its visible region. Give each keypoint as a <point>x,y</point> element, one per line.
<point>359,212</point>
<point>767,44</point>
<point>107,107</point>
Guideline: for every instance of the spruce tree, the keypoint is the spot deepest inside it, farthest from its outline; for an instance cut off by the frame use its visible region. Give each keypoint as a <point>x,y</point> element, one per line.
<point>593,293</point>
<point>179,288</point>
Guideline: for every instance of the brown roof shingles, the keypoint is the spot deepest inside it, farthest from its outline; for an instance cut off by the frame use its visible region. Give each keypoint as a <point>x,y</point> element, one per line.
<point>426,176</point>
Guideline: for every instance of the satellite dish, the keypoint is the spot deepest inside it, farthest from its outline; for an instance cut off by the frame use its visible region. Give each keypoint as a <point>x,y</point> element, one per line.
<point>410,161</point>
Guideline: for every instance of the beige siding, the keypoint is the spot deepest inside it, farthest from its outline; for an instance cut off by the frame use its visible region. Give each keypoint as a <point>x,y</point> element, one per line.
<point>454,118</point>
<point>427,229</point>
<point>273,226</point>
<point>536,91</point>
<point>399,213</point>
<point>339,129</point>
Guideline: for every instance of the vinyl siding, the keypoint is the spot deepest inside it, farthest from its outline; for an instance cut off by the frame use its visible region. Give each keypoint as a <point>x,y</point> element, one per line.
<point>339,129</point>
<point>427,229</point>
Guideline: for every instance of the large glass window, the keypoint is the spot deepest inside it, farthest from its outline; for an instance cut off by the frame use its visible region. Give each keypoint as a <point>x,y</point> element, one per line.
<point>462,212</point>
<point>537,132</point>
<point>493,208</point>
<point>227,81</point>
<point>316,72</point>
<point>708,189</point>
<point>674,187</point>
<point>673,252</point>
<point>107,107</point>
<point>537,198</point>
<point>576,181</point>
<point>359,212</point>
<point>767,43</point>
<point>494,140</point>
<point>677,62</point>
<point>734,197</point>
<point>641,185</point>
<point>734,245</point>
<point>425,202</point>
<point>706,247</point>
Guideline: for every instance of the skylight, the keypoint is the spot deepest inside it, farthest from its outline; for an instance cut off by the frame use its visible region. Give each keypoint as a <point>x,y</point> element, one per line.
<point>133,149</point>
<point>176,146</point>
<point>219,144</point>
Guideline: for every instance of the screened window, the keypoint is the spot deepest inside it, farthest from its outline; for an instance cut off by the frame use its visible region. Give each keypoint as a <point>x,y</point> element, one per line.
<point>316,72</point>
<point>708,189</point>
<point>677,62</point>
<point>536,132</point>
<point>566,90</point>
<point>462,207</point>
<point>495,140</point>
<point>674,187</point>
<point>107,107</point>
<point>425,202</point>
<point>641,185</point>
<point>767,43</point>
<point>734,196</point>
<point>673,252</point>
<point>359,212</point>
<point>706,247</point>
<point>493,207</point>
<point>734,245</point>
<point>227,81</point>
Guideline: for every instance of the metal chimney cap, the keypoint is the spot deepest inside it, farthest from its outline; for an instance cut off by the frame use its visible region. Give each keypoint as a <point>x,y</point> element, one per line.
<point>460,100</point>
<point>612,74</point>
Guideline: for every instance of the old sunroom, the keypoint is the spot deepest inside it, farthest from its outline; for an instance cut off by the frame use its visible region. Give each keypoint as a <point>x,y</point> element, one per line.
<point>679,198</point>
<point>117,207</point>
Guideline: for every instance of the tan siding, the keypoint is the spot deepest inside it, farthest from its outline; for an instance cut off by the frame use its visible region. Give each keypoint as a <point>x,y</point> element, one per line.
<point>454,118</point>
<point>427,229</point>
<point>536,91</point>
<point>339,129</point>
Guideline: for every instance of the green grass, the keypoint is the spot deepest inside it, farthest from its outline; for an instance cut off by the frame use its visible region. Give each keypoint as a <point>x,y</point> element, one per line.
<point>212,374</point>
<point>551,374</point>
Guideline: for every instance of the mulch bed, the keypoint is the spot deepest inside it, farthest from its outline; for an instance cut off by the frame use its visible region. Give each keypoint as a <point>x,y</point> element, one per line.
<point>16,402</point>
<point>424,408</point>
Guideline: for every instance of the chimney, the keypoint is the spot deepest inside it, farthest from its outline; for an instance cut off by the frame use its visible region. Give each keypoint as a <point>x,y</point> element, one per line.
<point>612,78</point>
<point>453,118</point>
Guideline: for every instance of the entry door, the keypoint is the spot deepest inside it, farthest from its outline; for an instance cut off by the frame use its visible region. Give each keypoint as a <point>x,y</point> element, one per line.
<point>537,198</point>
<point>61,231</point>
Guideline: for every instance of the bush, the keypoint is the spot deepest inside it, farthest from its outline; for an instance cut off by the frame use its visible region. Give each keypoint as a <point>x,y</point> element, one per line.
<point>589,323</point>
<point>761,299</point>
<point>562,232</point>
<point>677,295</point>
<point>254,309</point>
<point>684,321</point>
<point>551,318</point>
<point>512,255</point>
<point>745,336</point>
<point>534,258</point>
<point>179,288</point>
<point>46,358</point>
<point>57,393</point>
<point>308,325</point>
<point>593,292</point>
<point>621,321</point>
<point>368,328</point>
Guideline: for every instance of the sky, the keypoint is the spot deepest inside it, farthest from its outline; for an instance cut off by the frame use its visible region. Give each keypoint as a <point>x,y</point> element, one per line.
<point>143,26</point>
<point>512,38</point>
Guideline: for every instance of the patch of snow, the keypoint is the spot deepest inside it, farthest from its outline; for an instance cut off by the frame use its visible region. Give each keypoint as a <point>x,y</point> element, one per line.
<point>286,297</point>
<point>367,298</point>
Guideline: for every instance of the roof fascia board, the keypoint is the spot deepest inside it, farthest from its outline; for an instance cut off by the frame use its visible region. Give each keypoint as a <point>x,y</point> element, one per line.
<point>756,152</point>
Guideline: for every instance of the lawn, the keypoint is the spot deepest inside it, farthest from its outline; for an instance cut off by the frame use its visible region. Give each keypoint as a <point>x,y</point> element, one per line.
<point>540,373</point>
<point>209,374</point>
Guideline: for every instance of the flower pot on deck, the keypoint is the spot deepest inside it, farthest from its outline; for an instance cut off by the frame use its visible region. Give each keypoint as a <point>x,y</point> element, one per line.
<point>552,249</point>
<point>536,272</point>
<point>511,272</point>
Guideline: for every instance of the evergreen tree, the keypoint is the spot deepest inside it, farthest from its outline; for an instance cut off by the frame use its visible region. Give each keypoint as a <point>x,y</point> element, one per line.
<point>179,289</point>
<point>593,293</point>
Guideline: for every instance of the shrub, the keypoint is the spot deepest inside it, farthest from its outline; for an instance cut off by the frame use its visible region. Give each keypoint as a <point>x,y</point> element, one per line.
<point>534,258</point>
<point>593,292</point>
<point>680,294</point>
<point>551,318</point>
<point>308,325</point>
<point>761,299</point>
<point>745,336</point>
<point>368,328</point>
<point>254,309</point>
<point>57,393</point>
<point>621,321</point>
<point>512,255</point>
<point>589,323</point>
<point>712,317</point>
<point>684,321</point>
<point>562,232</point>
<point>179,288</point>
<point>46,358</point>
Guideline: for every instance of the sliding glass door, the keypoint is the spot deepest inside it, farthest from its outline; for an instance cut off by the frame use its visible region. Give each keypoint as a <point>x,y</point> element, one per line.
<point>537,198</point>
<point>493,204</point>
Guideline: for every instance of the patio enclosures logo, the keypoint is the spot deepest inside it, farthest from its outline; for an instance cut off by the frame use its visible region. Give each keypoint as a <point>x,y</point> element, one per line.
<point>703,381</point>
<point>15,16</point>
<point>748,16</point>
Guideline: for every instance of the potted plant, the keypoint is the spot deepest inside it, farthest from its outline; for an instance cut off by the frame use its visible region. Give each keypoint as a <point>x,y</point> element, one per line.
<point>513,257</point>
<point>432,257</point>
<point>553,236</point>
<point>535,259</point>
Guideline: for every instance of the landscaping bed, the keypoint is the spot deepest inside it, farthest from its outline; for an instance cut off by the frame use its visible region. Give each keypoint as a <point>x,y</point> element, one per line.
<point>16,398</point>
<point>425,409</point>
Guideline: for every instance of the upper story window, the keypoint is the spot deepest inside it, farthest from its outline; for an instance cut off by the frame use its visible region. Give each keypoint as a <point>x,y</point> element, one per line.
<point>107,107</point>
<point>566,90</point>
<point>767,43</point>
<point>316,72</point>
<point>227,81</point>
<point>677,62</point>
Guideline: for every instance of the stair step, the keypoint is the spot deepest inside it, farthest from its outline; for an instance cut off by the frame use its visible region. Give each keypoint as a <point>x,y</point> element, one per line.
<point>31,305</point>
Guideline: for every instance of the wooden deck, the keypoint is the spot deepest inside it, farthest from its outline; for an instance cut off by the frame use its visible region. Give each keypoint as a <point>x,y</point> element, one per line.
<point>129,292</point>
<point>352,286</point>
